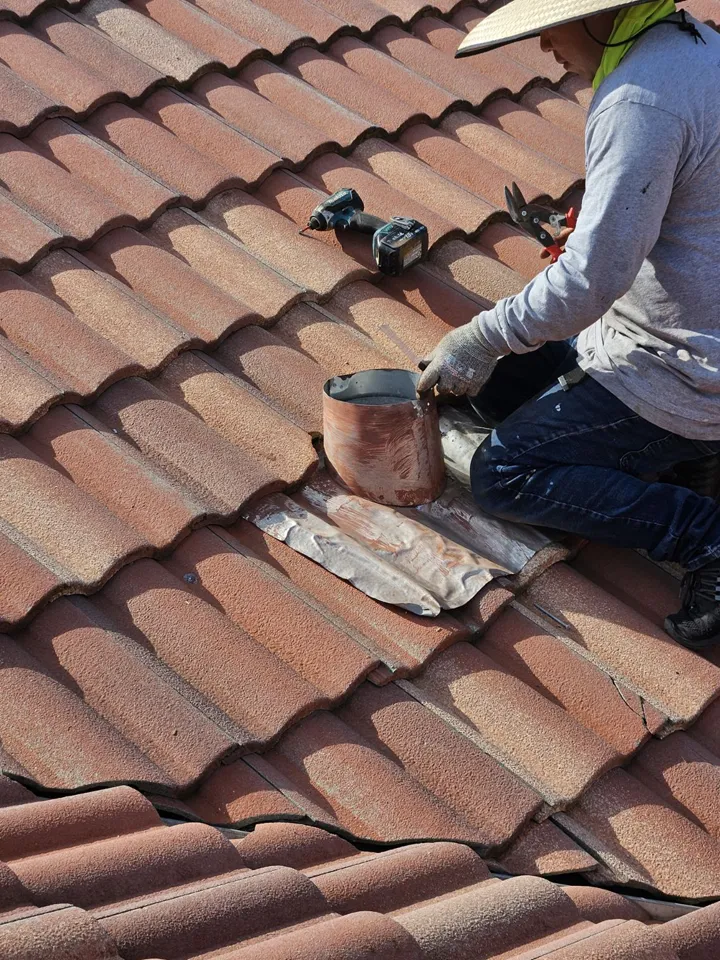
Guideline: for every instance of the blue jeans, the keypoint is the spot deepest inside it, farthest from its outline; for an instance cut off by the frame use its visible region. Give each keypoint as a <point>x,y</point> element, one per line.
<point>574,460</point>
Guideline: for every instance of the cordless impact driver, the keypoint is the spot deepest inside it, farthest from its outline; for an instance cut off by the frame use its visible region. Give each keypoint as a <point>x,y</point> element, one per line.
<point>396,245</point>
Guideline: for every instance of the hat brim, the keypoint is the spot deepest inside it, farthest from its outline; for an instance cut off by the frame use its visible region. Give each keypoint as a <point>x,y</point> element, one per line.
<point>521,19</point>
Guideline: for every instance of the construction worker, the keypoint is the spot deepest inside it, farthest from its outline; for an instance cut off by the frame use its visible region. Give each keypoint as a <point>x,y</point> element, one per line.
<point>629,315</point>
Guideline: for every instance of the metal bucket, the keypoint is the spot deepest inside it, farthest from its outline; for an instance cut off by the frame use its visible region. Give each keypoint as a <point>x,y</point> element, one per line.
<point>381,439</point>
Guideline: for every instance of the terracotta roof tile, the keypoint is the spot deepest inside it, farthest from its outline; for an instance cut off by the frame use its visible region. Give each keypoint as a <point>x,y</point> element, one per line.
<point>678,684</point>
<point>298,120</point>
<point>137,887</point>
<point>198,30</point>
<point>66,931</point>
<point>169,55</point>
<point>544,663</point>
<point>228,638</point>
<point>612,816</point>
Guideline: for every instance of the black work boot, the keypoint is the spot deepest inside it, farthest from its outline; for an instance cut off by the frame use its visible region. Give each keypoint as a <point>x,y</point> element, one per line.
<point>697,624</point>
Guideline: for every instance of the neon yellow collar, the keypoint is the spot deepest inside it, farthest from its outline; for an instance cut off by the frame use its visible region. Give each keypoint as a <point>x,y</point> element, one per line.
<point>628,23</point>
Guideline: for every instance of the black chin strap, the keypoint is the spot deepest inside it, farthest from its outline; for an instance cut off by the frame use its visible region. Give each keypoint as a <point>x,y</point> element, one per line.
<point>682,24</point>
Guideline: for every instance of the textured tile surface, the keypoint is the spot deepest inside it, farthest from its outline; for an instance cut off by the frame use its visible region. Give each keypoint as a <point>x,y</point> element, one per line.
<point>101,877</point>
<point>165,332</point>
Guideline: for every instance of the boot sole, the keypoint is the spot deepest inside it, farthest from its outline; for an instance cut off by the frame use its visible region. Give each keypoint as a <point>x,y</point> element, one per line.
<point>690,644</point>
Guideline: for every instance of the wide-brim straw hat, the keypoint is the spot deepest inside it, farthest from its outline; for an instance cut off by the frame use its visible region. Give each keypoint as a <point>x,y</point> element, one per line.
<point>528,18</point>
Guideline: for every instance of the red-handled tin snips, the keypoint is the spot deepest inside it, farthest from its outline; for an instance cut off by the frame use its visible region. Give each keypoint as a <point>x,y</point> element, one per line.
<point>536,220</point>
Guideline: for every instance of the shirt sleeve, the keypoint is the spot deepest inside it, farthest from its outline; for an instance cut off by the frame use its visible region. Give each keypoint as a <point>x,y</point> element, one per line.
<point>634,153</point>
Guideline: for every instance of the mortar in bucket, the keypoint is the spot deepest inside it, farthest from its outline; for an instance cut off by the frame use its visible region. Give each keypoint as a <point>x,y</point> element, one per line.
<point>381,439</point>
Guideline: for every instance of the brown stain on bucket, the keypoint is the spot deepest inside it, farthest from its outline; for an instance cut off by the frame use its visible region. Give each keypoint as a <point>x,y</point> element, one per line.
<point>383,444</point>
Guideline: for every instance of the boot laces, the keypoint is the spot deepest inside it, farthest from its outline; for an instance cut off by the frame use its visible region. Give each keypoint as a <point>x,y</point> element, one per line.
<point>704,584</point>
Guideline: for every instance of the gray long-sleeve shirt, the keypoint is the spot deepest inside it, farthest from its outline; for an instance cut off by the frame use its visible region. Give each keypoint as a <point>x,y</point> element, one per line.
<point>645,257</point>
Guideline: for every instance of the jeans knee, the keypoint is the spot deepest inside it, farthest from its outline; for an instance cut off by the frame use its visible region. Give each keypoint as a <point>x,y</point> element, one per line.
<point>487,479</point>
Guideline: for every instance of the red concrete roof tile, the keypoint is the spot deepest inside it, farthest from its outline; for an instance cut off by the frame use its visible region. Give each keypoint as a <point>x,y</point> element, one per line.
<point>252,22</point>
<point>12,794</point>
<point>170,436</point>
<point>491,918</point>
<point>151,889</point>
<point>406,641</point>
<point>207,134</point>
<point>170,159</point>
<point>109,308</point>
<point>95,52</point>
<point>22,104</point>
<point>367,793</point>
<point>363,14</point>
<point>473,690</point>
<point>400,878</point>
<point>357,936</point>
<point>198,30</point>
<point>533,130</point>
<point>493,64</point>
<point>169,55</point>
<point>419,182</point>
<point>631,648</point>
<point>393,72</point>
<point>292,845</point>
<point>30,389</point>
<point>473,86</point>
<point>72,639</point>
<point>542,849</point>
<point>556,109</point>
<point>516,250</point>
<point>686,775</point>
<point>172,286</point>
<point>68,932</point>
<point>102,170</point>
<point>545,664</point>
<point>352,90</point>
<point>42,65</point>
<point>695,936</point>
<point>261,902</point>
<point>397,725</point>
<point>297,120</point>
<point>675,856</point>
<point>264,607</point>
<point>636,581</point>
<point>71,352</point>
<point>66,204</point>
<point>310,18</point>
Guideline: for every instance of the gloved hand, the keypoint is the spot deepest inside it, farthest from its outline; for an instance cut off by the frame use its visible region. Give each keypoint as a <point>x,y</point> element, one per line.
<point>460,364</point>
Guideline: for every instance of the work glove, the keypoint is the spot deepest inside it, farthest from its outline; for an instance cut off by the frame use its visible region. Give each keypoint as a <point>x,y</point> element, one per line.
<point>460,364</point>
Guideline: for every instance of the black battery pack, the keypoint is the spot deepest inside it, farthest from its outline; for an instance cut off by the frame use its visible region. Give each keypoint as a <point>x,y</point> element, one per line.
<point>400,244</point>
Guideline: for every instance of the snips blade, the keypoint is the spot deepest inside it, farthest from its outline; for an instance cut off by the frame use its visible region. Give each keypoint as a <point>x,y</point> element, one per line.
<point>516,204</point>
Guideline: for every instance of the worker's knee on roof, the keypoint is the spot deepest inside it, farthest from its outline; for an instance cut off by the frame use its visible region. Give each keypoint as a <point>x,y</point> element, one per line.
<point>495,481</point>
